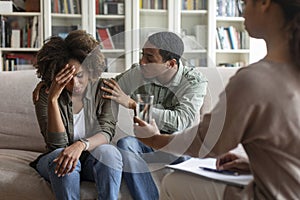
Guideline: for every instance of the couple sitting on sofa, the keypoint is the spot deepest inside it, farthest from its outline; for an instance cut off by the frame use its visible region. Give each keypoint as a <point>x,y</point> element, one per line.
<point>77,117</point>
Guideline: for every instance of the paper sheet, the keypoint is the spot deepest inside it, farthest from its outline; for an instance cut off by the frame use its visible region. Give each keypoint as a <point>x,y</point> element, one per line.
<point>193,166</point>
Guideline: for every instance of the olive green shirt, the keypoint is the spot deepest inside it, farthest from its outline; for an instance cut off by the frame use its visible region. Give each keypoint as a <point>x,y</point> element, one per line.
<point>175,104</point>
<point>98,114</point>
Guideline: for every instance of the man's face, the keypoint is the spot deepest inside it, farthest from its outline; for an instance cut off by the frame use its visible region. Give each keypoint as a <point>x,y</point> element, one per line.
<point>152,64</point>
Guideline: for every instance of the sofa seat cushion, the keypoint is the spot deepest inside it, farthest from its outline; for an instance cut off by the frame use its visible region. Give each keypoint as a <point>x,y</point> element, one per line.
<point>20,181</point>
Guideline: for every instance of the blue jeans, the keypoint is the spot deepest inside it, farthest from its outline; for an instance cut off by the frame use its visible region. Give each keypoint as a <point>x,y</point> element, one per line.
<point>103,166</point>
<point>136,173</point>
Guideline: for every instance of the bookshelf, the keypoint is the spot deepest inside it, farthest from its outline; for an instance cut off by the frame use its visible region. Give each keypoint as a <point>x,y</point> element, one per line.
<point>59,18</point>
<point>146,20</point>
<point>130,22</point>
<point>192,24</point>
<point>110,23</point>
<point>21,36</point>
<point>196,21</point>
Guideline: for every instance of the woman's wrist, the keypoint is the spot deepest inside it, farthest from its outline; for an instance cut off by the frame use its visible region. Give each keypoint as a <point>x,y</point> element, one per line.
<point>82,145</point>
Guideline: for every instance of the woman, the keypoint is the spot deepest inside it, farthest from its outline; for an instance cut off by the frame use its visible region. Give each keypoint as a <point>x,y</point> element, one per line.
<point>76,122</point>
<point>259,109</point>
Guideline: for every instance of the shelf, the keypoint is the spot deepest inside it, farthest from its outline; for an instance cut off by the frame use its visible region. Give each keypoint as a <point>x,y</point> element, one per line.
<point>230,19</point>
<point>112,50</point>
<point>233,51</point>
<point>153,11</point>
<point>110,17</point>
<point>20,49</point>
<point>194,12</point>
<point>22,14</point>
<point>197,51</point>
<point>62,15</point>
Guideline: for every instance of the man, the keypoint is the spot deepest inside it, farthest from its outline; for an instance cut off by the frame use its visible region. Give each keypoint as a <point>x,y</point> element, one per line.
<point>178,95</point>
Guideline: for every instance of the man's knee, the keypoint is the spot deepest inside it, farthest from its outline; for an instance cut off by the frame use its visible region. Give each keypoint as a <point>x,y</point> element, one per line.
<point>127,143</point>
<point>108,155</point>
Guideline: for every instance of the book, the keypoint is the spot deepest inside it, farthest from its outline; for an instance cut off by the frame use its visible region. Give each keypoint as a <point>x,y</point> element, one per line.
<point>196,165</point>
<point>15,38</point>
<point>232,32</point>
<point>34,32</point>
<point>105,38</point>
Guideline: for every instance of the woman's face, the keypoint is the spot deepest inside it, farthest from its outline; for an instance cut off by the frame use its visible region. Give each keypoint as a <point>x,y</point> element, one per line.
<point>253,18</point>
<point>80,80</point>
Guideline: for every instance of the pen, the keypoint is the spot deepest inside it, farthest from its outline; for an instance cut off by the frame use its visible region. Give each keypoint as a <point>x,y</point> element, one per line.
<point>227,172</point>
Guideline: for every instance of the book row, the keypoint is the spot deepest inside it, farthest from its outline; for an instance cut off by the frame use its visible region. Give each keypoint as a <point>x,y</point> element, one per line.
<point>18,61</point>
<point>66,6</point>
<point>230,38</point>
<point>109,7</point>
<point>228,8</point>
<point>154,4</point>
<point>194,4</point>
<point>111,36</point>
<point>19,32</point>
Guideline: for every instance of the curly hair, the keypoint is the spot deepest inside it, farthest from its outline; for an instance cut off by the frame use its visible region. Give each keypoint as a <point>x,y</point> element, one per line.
<point>51,58</point>
<point>78,45</point>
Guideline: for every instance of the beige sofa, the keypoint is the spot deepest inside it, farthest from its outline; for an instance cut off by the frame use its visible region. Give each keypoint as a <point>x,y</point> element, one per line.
<point>21,141</point>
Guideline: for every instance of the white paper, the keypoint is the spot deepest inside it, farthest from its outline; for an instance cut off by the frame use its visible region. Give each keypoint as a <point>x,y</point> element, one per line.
<point>193,166</point>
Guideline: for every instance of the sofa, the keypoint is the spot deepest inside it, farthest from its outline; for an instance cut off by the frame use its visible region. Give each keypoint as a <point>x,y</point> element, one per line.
<point>21,141</point>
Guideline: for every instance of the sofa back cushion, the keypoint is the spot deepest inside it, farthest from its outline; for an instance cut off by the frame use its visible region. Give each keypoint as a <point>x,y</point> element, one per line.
<point>18,125</point>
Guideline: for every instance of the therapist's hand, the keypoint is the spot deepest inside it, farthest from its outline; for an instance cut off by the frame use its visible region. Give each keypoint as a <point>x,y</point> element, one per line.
<point>144,130</point>
<point>233,162</point>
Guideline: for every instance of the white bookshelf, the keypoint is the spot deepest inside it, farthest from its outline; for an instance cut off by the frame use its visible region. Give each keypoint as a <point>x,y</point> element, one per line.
<point>52,19</point>
<point>18,21</point>
<point>139,23</point>
<point>179,20</point>
<point>121,54</point>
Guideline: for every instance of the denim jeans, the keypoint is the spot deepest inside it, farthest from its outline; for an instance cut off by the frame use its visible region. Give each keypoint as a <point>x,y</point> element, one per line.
<point>136,173</point>
<point>103,166</point>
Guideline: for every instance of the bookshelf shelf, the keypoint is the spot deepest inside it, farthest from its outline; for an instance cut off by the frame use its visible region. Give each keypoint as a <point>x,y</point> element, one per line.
<point>20,49</point>
<point>110,17</point>
<point>153,11</point>
<point>113,51</point>
<point>62,15</point>
<point>21,14</point>
<point>230,19</point>
<point>194,12</point>
<point>196,51</point>
<point>233,51</point>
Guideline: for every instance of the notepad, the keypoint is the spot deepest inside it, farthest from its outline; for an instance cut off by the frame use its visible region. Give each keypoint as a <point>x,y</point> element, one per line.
<point>195,165</point>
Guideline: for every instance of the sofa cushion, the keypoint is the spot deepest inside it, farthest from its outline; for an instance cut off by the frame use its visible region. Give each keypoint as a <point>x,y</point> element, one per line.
<point>19,128</point>
<point>20,181</point>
